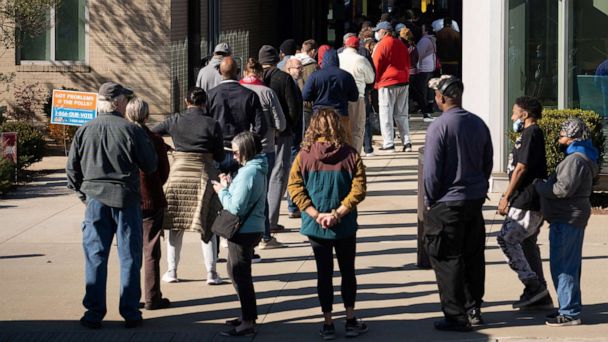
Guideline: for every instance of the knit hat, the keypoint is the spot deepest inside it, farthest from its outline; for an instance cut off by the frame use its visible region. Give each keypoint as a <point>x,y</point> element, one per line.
<point>576,129</point>
<point>289,47</point>
<point>352,42</point>
<point>268,55</point>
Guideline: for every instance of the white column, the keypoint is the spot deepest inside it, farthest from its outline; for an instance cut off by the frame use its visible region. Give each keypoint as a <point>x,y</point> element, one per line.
<point>484,45</point>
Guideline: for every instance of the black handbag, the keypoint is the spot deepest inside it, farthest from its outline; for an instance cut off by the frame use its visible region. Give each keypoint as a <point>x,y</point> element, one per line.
<point>227,224</point>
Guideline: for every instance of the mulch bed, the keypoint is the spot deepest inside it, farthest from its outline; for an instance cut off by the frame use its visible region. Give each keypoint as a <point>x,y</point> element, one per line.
<point>599,203</point>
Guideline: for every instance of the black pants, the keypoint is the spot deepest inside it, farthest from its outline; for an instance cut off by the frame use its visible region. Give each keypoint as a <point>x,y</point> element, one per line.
<point>425,96</point>
<point>454,236</point>
<point>240,251</point>
<point>532,253</point>
<point>324,257</point>
<point>152,231</point>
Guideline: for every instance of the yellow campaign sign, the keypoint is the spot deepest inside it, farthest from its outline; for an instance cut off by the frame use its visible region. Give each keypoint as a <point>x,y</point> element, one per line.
<point>74,108</point>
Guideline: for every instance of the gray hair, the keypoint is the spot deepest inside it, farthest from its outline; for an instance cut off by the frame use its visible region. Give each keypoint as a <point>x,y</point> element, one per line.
<point>247,145</point>
<point>137,110</point>
<point>106,105</point>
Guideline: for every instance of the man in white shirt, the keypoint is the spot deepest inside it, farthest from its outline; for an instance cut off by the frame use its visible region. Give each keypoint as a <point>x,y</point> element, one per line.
<point>363,73</point>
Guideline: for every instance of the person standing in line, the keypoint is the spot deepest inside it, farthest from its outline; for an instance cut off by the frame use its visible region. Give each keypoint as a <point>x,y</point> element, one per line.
<point>521,206</point>
<point>366,40</point>
<point>392,62</point>
<point>363,73</point>
<point>287,92</point>
<point>276,124</point>
<point>192,204</point>
<point>309,65</point>
<point>564,201</point>
<point>295,69</point>
<point>456,173</point>
<point>449,48</point>
<point>244,196</point>
<point>427,63</point>
<point>236,109</point>
<point>209,76</point>
<point>327,182</point>
<point>332,87</point>
<point>287,49</point>
<point>153,205</point>
<point>103,167</point>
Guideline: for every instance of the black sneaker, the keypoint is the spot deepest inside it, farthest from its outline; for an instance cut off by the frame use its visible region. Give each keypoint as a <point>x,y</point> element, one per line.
<point>256,258</point>
<point>133,323</point>
<point>563,321</point>
<point>90,324</point>
<point>533,292</point>
<point>328,332</point>
<point>388,148</point>
<point>355,327</point>
<point>474,317</point>
<point>543,304</point>
<point>407,147</point>
<point>552,315</point>
<point>446,325</point>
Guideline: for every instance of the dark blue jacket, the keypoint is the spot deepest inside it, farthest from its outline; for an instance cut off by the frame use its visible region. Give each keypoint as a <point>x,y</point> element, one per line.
<point>330,86</point>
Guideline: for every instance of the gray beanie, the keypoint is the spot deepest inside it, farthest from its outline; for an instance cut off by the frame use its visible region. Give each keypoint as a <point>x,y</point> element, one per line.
<point>268,55</point>
<point>576,129</point>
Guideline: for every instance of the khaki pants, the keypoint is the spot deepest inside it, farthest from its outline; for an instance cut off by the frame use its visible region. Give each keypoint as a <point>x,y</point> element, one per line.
<point>356,114</point>
<point>345,122</point>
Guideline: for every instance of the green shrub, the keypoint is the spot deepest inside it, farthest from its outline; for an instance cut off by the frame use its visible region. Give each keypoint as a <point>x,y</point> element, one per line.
<point>31,145</point>
<point>7,175</point>
<point>551,125</point>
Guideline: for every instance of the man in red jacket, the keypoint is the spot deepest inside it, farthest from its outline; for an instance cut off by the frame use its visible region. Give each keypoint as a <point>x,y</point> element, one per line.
<point>392,62</point>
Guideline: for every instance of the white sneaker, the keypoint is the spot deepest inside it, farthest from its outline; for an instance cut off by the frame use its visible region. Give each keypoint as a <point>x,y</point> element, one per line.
<point>371,154</point>
<point>214,279</point>
<point>170,277</point>
<point>428,118</point>
<point>271,244</point>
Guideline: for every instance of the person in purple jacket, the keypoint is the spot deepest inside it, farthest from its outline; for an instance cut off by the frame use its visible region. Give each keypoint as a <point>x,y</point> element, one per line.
<point>456,172</point>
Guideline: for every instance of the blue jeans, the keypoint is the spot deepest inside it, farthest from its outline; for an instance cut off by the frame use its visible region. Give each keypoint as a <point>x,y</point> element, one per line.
<point>100,224</point>
<point>566,254</point>
<point>271,158</point>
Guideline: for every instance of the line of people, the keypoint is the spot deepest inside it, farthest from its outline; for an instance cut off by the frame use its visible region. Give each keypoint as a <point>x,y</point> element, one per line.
<point>242,142</point>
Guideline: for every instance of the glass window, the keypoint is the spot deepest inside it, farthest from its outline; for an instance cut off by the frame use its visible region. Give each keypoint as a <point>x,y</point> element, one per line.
<point>532,51</point>
<point>64,40</point>
<point>588,56</point>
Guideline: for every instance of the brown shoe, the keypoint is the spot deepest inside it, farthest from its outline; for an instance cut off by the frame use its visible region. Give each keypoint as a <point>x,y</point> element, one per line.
<point>295,215</point>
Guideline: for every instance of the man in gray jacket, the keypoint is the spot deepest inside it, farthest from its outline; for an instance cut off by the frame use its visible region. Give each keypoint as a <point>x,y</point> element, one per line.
<point>103,169</point>
<point>564,201</point>
<point>209,76</point>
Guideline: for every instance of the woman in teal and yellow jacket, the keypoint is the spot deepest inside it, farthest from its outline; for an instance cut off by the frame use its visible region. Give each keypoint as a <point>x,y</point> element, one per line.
<point>327,182</point>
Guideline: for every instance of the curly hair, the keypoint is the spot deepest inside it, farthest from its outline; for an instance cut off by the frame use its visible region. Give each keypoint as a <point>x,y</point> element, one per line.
<point>325,124</point>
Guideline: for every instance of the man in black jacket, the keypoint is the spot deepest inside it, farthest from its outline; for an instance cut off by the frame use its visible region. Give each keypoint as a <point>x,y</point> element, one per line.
<point>236,108</point>
<point>290,99</point>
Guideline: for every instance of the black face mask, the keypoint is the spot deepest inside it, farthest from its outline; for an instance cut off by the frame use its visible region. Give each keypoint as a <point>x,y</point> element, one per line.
<point>563,148</point>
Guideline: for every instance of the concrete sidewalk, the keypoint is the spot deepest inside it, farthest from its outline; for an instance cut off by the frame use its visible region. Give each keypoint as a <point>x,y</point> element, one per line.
<point>42,283</point>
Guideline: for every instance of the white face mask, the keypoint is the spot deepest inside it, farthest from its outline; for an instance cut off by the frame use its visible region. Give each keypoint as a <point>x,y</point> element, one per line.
<point>377,36</point>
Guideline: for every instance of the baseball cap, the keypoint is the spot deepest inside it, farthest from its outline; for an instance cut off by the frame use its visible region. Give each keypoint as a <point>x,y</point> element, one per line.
<point>383,25</point>
<point>223,48</point>
<point>111,90</point>
<point>352,42</point>
<point>444,82</point>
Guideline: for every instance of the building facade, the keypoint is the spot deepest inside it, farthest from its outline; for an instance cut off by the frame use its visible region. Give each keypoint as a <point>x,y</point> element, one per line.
<point>550,49</point>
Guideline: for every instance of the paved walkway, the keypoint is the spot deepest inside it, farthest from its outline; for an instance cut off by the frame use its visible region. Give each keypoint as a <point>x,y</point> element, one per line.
<point>41,264</point>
